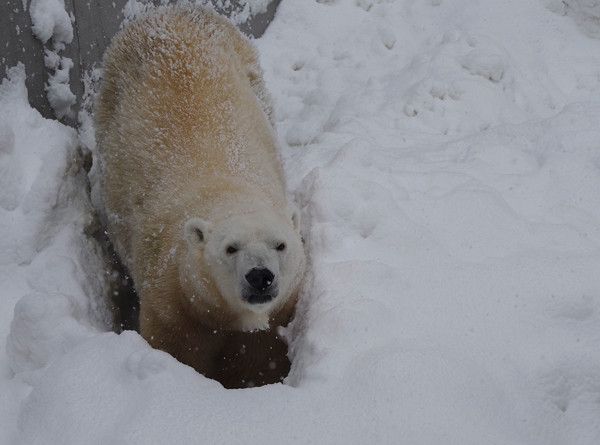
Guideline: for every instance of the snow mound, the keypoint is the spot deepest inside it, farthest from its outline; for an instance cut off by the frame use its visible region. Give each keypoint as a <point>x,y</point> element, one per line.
<point>44,210</point>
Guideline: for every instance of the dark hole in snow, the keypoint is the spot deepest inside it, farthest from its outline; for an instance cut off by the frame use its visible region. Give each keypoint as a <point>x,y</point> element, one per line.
<point>123,300</point>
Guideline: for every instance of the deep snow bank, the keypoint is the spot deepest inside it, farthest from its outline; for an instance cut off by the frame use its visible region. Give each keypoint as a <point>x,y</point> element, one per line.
<point>447,160</point>
<point>46,263</point>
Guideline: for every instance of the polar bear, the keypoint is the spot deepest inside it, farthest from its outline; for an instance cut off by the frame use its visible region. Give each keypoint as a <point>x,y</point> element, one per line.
<point>194,194</point>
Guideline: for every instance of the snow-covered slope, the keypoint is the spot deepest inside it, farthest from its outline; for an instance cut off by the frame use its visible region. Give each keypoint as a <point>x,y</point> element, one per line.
<point>446,157</point>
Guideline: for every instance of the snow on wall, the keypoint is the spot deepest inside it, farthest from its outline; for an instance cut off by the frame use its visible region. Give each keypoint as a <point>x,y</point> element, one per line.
<point>50,21</point>
<point>238,12</point>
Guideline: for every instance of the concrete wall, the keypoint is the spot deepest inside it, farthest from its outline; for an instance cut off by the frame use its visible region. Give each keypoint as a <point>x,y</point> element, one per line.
<point>96,22</point>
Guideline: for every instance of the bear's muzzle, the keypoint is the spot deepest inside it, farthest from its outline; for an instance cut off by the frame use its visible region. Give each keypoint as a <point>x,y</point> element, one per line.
<point>261,286</point>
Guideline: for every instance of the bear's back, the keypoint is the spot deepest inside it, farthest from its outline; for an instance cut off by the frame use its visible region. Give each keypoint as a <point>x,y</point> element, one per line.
<point>182,100</point>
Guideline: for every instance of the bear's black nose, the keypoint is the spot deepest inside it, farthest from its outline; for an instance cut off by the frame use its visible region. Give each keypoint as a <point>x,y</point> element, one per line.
<point>260,279</point>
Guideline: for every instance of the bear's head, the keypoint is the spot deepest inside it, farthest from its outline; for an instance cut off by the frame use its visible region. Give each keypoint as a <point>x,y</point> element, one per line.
<point>254,259</point>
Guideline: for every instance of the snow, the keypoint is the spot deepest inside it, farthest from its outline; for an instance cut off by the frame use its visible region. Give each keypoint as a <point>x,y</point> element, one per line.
<point>445,157</point>
<point>50,21</point>
<point>238,11</point>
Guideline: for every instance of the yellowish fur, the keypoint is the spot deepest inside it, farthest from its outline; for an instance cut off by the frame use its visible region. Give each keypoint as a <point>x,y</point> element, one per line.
<point>183,129</point>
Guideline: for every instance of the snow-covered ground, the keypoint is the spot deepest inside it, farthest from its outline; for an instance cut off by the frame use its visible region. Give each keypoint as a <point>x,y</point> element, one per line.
<point>446,157</point>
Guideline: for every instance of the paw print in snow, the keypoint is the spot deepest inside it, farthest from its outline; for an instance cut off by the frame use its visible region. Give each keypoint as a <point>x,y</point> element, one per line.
<point>425,95</point>
<point>485,64</point>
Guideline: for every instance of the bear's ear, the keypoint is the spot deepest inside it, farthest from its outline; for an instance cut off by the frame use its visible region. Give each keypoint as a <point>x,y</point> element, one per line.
<point>196,231</point>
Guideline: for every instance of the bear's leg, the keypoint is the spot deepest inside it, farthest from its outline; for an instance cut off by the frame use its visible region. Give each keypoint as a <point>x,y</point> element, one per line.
<point>250,359</point>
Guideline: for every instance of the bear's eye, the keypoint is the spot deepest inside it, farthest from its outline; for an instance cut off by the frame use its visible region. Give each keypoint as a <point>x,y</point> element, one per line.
<point>231,250</point>
<point>280,247</point>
